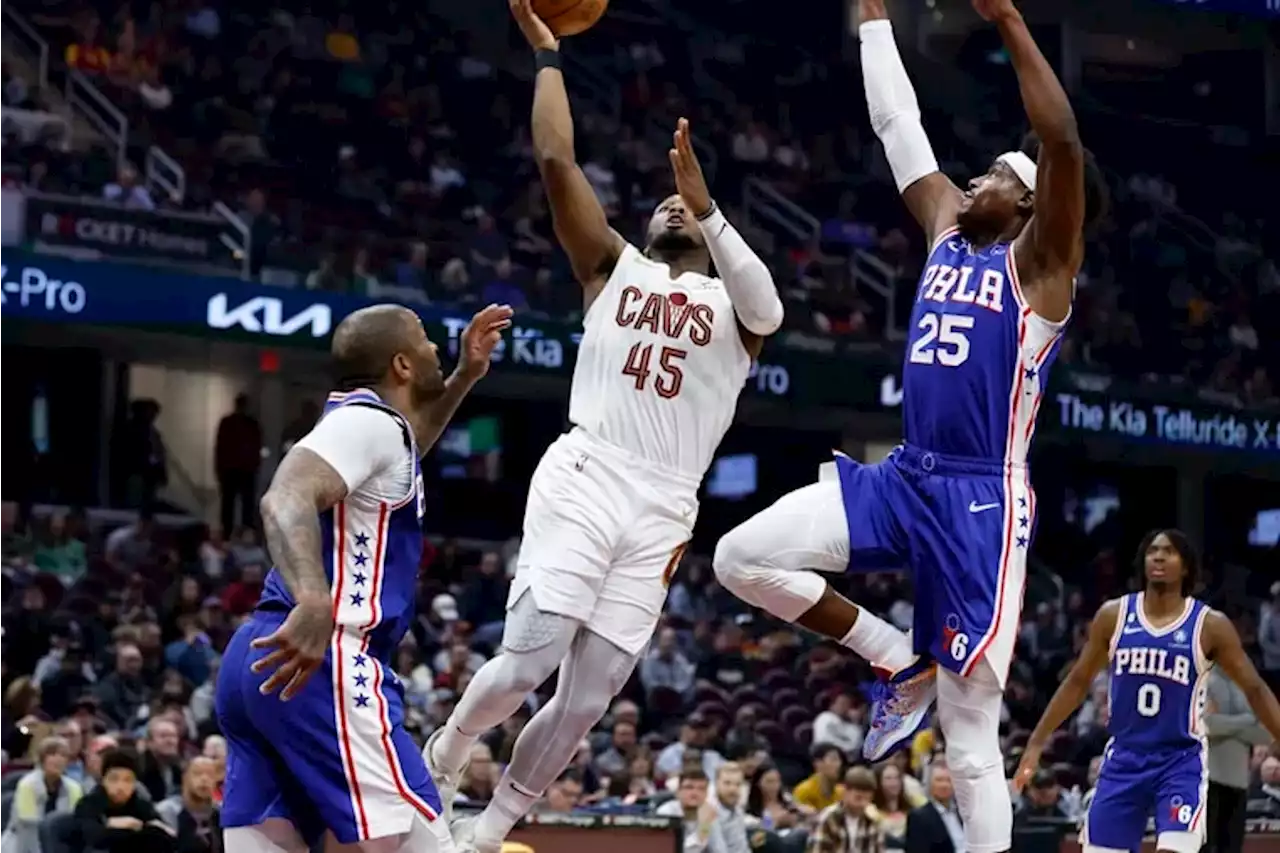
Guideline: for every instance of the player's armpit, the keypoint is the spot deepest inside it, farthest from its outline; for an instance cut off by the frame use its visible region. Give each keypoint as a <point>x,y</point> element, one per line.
<point>934,202</point>
<point>1222,646</point>
<point>580,222</point>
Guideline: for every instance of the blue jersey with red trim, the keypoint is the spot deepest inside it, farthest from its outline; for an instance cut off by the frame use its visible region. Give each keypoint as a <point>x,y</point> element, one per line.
<point>977,358</point>
<point>371,551</point>
<point>1158,680</point>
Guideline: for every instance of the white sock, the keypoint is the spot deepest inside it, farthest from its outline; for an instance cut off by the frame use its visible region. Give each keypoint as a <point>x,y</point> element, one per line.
<point>879,642</point>
<point>509,804</point>
<point>452,748</point>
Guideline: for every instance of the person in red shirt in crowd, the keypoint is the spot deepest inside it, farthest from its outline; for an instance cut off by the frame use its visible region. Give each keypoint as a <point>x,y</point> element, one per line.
<point>87,53</point>
<point>242,596</point>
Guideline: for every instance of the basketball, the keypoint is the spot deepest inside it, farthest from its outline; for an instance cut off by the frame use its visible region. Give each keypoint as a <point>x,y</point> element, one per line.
<point>569,17</point>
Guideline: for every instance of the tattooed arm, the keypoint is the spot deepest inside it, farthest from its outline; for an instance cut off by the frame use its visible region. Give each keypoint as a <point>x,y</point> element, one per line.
<point>304,486</point>
<point>347,448</point>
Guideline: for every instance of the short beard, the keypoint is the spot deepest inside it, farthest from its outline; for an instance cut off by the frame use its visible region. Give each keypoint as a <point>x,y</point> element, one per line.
<point>672,244</point>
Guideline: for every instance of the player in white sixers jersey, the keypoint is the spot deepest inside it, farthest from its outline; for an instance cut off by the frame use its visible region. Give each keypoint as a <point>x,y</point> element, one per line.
<point>1158,645</point>
<point>665,352</point>
<point>343,520</point>
<point>954,503</point>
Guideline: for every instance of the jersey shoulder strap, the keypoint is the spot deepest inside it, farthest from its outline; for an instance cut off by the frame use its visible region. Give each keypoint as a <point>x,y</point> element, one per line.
<point>365,398</point>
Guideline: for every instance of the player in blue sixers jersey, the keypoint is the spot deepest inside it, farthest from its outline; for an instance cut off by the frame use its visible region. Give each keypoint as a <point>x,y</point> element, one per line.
<point>343,522</point>
<point>1158,646</point>
<point>954,503</point>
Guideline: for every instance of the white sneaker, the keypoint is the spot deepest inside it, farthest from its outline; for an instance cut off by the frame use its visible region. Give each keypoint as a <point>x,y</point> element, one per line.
<point>464,837</point>
<point>446,784</point>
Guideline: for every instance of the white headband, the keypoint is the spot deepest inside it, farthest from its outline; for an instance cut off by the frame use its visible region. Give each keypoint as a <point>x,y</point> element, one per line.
<point>1022,165</point>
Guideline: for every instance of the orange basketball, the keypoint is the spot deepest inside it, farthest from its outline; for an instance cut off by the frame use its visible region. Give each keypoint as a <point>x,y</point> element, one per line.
<point>569,17</point>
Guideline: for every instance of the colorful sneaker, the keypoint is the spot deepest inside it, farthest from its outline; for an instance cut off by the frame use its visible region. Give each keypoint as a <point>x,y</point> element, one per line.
<point>446,784</point>
<point>899,708</point>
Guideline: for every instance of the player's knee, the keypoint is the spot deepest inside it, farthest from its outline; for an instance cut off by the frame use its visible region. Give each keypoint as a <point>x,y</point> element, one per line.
<point>972,762</point>
<point>736,565</point>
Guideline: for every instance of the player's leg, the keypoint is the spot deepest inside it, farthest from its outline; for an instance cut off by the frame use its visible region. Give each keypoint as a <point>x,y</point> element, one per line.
<point>534,643</point>
<point>969,713</point>
<point>425,836</point>
<point>569,527</point>
<point>595,671</point>
<point>259,813</point>
<point>1117,817</point>
<point>1182,794</point>
<point>773,561</point>
<point>275,835</point>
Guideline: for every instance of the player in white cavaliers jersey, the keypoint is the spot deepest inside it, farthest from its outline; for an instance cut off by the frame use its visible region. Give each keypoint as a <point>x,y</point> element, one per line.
<point>665,352</point>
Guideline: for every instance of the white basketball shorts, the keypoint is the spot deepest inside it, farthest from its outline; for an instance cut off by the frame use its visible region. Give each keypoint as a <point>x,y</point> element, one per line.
<point>603,533</point>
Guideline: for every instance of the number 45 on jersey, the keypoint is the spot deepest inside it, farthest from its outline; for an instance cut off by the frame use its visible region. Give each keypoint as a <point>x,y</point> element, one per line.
<point>670,376</point>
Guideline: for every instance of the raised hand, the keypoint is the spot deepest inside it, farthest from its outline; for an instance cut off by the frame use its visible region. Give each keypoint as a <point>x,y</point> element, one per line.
<point>690,183</point>
<point>481,337</point>
<point>535,30</point>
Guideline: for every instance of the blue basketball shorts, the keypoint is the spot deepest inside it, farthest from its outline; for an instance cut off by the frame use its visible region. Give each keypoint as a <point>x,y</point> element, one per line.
<point>1171,785</point>
<point>963,528</point>
<point>335,757</point>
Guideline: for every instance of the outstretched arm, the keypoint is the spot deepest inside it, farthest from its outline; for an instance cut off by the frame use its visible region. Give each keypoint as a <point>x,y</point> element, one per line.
<point>1222,646</point>
<point>1051,249</point>
<point>895,117</point>
<point>746,278</point>
<point>1072,691</point>
<point>579,220</point>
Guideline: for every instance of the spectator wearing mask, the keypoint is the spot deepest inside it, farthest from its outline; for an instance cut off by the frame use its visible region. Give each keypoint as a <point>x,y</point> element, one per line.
<point>192,815</point>
<point>935,827</point>
<point>849,826</point>
<point>666,667</point>
<point>840,724</point>
<point>821,789</point>
<point>1233,732</point>
<point>44,791</point>
<point>1042,800</point>
<point>693,806</point>
<point>114,817</point>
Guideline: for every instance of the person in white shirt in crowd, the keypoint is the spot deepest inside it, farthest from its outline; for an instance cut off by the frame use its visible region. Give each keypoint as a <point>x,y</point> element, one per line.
<point>731,817</point>
<point>126,191</point>
<point>44,791</point>
<point>841,725</point>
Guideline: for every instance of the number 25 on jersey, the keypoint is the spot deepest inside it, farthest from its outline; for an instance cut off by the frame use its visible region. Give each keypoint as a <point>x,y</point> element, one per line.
<point>670,375</point>
<point>943,339</point>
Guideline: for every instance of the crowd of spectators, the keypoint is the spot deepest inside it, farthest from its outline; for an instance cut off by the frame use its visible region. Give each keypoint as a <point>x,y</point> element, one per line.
<point>351,143</point>
<point>733,721</point>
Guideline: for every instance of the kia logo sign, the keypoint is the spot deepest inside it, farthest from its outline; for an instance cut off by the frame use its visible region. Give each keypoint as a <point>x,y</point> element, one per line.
<point>265,315</point>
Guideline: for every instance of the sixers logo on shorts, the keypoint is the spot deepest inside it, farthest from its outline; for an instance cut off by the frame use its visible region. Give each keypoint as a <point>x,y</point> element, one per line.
<point>953,639</point>
<point>1176,810</point>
